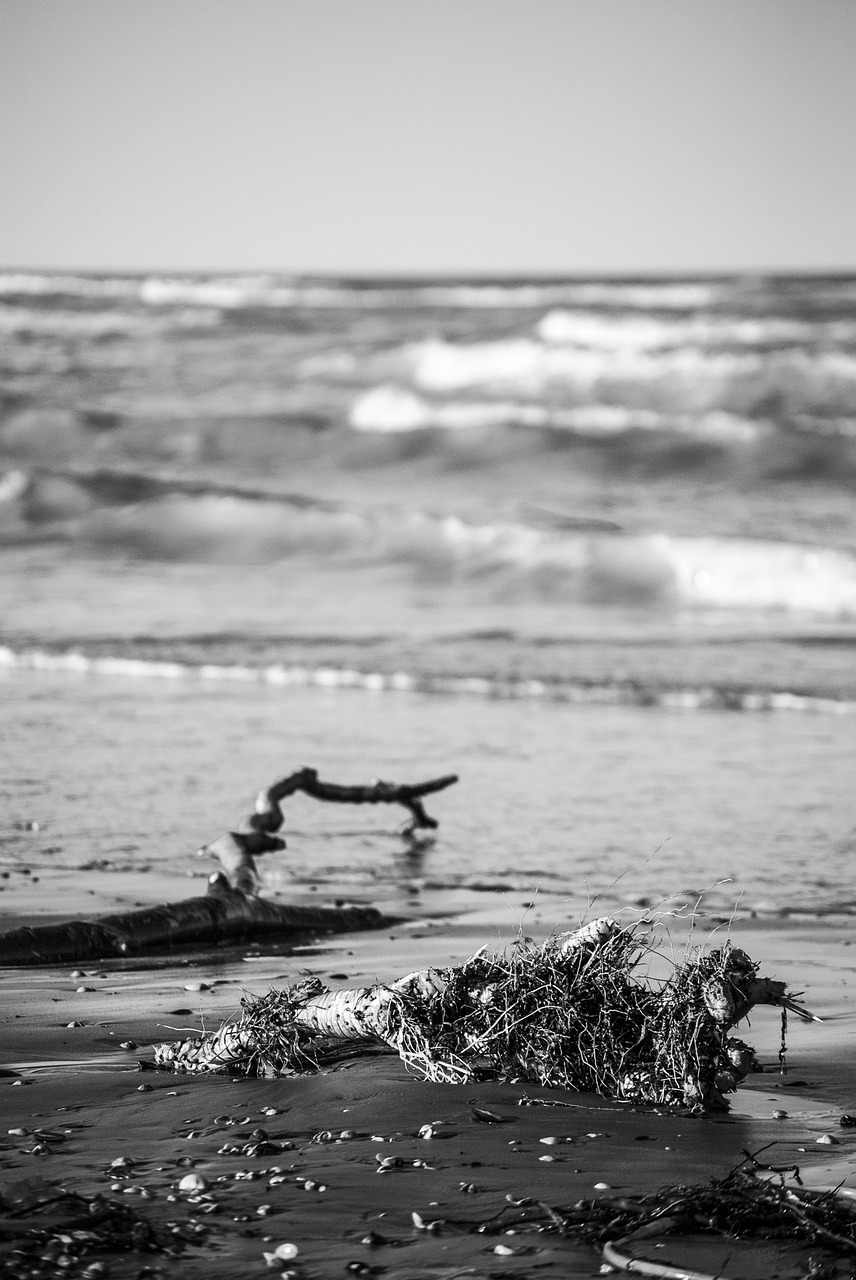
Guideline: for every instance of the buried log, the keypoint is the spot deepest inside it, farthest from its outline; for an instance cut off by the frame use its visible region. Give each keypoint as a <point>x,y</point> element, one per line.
<point>571,1013</point>
<point>223,916</point>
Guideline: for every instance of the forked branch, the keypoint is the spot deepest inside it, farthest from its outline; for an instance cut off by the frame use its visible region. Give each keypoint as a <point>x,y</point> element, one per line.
<point>268,814</point>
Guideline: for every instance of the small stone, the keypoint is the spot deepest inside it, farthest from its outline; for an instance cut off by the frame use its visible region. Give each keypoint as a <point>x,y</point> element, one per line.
<point>373,1240</point>
<point>19,1133</point>
<point>121,1162</point>
<point>827,1140</point>
<point>197,986</point>
<point>546,1159</point>
<point>286,1252</point>
<point>129,1044</point>
<point>193,1182</point>
<point>79,989</point>
<point>504,1250</point>
<point>74,1024</point>
<point>144,1088</point>
<point>549,1142</point>
<point>602,1186</point>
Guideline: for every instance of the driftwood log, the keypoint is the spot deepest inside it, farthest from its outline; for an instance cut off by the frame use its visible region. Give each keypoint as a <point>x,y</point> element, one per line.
<point>232,909</point>
<point>222,916</point>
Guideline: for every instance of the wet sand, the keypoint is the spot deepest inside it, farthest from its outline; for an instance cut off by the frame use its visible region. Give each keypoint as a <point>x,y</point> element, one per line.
<point>72,1040</point>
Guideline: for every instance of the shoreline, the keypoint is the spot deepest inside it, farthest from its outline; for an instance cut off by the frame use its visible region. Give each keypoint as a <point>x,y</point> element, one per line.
<point>66,1068</point>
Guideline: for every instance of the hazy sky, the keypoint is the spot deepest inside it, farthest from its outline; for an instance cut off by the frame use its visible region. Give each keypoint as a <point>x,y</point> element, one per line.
<point>428,135</point>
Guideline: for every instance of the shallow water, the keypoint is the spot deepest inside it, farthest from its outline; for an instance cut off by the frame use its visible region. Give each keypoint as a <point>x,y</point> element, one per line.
<point>556,801</point>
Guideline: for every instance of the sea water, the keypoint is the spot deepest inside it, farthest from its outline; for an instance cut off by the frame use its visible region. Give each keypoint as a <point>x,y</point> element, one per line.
<point>587,543</point>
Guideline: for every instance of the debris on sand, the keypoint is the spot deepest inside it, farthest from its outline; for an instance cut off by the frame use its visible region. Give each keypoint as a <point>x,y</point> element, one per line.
<point>573,1012</point>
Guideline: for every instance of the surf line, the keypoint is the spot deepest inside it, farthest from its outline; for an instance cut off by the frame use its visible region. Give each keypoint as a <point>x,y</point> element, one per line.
<point>607,693</point>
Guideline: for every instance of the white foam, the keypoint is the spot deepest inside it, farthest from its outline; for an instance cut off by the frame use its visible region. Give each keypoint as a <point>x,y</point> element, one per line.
<point>740,573</point>
<point>392,409</point>
<point>389,409</point>
<point>649,333</point>
<point>529,365</point>
<point>12,485</point>
<point>611,693</point>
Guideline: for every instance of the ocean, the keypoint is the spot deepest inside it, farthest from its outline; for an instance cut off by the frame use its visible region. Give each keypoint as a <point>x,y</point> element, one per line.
<point>591,544</point>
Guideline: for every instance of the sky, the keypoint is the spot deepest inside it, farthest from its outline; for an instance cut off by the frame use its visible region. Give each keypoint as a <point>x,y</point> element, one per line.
<point>428,136</point>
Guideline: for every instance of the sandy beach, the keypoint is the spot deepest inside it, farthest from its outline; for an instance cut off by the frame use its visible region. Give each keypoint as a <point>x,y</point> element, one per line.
<point>333,1163</point>
<point>402,533</point>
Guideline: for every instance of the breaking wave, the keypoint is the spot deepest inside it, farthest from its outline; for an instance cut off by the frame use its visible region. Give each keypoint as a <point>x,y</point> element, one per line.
<point>552,558</point>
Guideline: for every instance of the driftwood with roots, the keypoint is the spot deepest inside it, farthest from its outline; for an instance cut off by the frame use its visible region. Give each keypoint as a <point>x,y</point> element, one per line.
<point>571,1013</point>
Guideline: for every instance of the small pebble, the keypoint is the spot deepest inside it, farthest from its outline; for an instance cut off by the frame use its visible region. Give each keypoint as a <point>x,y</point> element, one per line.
<point>19,1133</point>
<point>503,1250</point>
<point>197,986</point>
<point>780,1115</point>
<point>74,1024</point>
<point>549,1142</point>
<point>129,1044</point>
<point>827,1140</point>
<point>193,1182</point>
<point>79,989</point>
<point>373,1240</point>
<point>144,1088</point>
<point>602,1186</point>
<point>286,1252</point>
